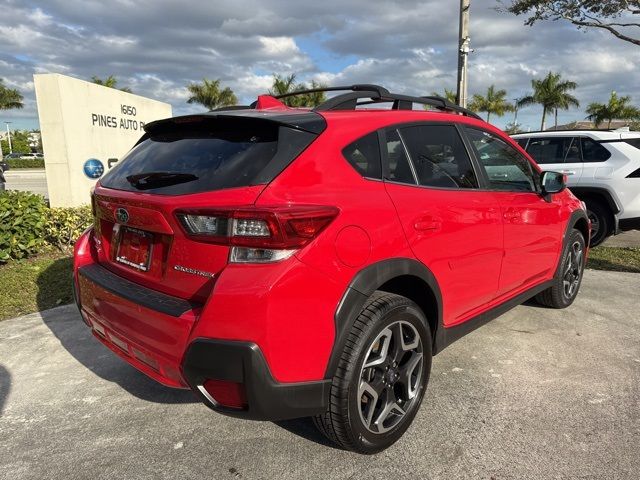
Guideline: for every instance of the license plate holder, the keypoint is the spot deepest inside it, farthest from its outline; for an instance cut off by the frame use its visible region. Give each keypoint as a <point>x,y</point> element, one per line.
<point>135,248</point>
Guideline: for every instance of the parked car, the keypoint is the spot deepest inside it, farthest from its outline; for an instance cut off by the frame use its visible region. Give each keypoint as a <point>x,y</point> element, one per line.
<point>603,168</point>
<point>287,263</point>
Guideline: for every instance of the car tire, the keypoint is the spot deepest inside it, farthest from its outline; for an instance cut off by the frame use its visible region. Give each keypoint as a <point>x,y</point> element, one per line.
<point>381,377</point>
<point>600,217</point>
<point>568,278</point>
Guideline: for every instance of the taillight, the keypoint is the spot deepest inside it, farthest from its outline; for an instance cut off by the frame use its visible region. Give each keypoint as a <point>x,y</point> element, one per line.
<point>258,234</point>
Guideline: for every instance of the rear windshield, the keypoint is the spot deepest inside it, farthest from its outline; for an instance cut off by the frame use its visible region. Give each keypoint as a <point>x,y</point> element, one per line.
<point>211,155</point>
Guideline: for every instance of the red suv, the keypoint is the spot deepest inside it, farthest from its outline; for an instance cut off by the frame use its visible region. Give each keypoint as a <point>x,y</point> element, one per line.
<point>287,263</point>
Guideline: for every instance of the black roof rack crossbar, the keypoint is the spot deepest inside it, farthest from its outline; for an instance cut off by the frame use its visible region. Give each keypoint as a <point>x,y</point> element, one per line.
<point>349,101</point>
<point>355,88</point>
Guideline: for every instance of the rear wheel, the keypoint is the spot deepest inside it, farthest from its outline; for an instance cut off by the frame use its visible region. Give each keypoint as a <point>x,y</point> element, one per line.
<point>381,377</point>
<point>567,281</point>
<point>600,222</point>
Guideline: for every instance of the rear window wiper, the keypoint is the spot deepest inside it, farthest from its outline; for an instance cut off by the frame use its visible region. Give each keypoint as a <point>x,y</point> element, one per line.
<point>147,180</point>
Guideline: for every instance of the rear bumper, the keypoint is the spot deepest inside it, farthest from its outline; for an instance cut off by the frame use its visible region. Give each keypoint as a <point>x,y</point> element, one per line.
<point>151,331</point>
<point>243,363</point>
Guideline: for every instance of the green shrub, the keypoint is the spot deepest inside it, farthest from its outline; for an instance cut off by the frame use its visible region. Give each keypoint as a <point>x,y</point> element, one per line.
<point>25,162</point>
<point>28,226</point>
<point>64,225</point>
<point>23,217</point>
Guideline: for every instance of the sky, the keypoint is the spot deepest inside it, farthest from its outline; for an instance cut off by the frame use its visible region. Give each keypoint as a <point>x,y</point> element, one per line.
<point>157,47</point>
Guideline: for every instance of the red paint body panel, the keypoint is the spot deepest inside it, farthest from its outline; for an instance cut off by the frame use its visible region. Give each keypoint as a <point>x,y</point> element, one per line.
<point>483,248</point>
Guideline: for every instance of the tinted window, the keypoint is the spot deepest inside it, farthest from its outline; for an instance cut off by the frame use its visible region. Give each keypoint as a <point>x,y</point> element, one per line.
<point>398,166</point>
<point>439,156</point>
<point>194,158</point>
<point>364,156</point>
<point>505,167</point>
<point>554,149</point>
<point>634,142</point>
<point>522,141</point>
<point>593,151</point>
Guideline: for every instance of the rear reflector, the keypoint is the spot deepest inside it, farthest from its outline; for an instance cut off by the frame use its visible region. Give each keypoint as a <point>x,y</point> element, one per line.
<point>224,393</point>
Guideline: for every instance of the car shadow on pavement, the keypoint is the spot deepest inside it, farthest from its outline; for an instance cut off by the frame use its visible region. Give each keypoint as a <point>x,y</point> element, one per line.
<point>67,325</point>
<point>5,387</point>
<point>304,427</point>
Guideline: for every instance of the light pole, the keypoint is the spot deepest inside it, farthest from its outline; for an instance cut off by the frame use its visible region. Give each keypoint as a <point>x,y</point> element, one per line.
<point>9,137</point>
<point>464,47</point>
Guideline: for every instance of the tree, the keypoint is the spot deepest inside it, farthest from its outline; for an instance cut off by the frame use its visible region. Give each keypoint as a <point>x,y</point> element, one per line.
<point>552,93</point>
<point>209,94</point>
<point>493,102</point>
<point>448,95</point>
<point>614,16</point>
<point>19,143</point>
<point>10,98</point>
<point>110,82</point>
<point>513,128</point>
<point>283,85</point>
<point>618,108</point>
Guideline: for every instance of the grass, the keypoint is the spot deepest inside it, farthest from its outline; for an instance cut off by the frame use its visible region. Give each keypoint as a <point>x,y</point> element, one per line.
<point>616,259</point>
<point>35,284</point>
<point>44,282</point>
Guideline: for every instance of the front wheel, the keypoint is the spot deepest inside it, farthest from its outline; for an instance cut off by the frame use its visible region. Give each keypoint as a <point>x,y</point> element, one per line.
<point>381,378</point>
<point>568,278</point>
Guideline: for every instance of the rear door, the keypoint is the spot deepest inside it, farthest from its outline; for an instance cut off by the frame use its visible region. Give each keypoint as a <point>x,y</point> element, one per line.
<point>558,154</point>
<point>452,226</point>
<point>533,228</point>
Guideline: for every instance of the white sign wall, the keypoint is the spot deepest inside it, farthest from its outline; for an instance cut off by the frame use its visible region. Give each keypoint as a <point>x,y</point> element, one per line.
<point>85,129</point>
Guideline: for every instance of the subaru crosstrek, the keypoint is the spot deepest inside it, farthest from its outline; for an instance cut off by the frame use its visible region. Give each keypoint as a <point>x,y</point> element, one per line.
<point>286,263</point>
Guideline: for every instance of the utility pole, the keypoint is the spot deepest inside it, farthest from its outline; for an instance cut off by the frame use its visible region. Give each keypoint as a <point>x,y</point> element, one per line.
<point>463,52</point>
<point>9,137</point>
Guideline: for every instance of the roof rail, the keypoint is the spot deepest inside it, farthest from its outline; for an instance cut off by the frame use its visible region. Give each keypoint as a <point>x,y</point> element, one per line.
<point>377,94</point>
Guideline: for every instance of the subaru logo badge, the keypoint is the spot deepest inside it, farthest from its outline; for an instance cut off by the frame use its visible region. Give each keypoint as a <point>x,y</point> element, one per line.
<point>122,215</point>
<point>93,168</point>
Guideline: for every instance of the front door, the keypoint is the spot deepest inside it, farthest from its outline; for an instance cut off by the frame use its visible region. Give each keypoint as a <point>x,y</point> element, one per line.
<point>532,224</point>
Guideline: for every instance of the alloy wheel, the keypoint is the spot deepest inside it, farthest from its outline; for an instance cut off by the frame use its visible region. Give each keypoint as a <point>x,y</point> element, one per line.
<point>573,270</point>
<point>391,377</point>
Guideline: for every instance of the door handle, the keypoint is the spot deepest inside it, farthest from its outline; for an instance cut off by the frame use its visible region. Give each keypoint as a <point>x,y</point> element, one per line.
<point>568,172</point>
<point>427,225</point>
<point>511,215</point>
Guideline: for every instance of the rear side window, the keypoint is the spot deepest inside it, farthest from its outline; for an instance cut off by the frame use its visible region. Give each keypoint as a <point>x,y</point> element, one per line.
<point>546,150</point>
<point>634,142</point>
<point>593,151</point>
<point>210,155</point>
<point>398,166</point>
<point>439,156</point>
<point>364,156</point>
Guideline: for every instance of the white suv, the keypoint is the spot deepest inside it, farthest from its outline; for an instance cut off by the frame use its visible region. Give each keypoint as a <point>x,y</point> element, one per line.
<point>603,169</point>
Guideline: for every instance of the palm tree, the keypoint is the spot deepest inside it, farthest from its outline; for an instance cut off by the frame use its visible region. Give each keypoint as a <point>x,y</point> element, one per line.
<point>449,95</point>
<point>10,98</point>
<point>493,102</point>
<point>110,82</point>
<point>552,93</point>
<point>617,108</point>
<point>209,94</point>
<point>283,85</point>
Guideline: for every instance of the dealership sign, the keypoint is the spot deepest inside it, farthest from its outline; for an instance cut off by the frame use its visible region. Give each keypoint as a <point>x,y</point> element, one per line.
<point>85,129</point>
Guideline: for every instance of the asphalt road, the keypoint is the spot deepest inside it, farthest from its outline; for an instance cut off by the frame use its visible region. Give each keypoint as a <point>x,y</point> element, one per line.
<point>27,180</point>
<point>537,393</point>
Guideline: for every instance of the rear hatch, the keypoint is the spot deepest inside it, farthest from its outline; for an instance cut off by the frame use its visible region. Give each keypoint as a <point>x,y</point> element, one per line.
<point>204,162</point>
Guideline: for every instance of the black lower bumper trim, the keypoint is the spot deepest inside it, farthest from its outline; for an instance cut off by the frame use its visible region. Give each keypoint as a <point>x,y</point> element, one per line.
<point>625,224</point>
<point>133,292</point>
<point>243,362</point>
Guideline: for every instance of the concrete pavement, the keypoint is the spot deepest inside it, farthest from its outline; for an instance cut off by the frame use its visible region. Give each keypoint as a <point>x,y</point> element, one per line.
<point>537,393</point>
<point>27,180</point>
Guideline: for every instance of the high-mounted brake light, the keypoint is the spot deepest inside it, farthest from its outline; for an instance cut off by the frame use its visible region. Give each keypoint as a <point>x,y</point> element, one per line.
<point>258,234</point>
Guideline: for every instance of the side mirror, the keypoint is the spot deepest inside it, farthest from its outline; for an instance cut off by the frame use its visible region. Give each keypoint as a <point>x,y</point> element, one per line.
<point>553,182</point>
